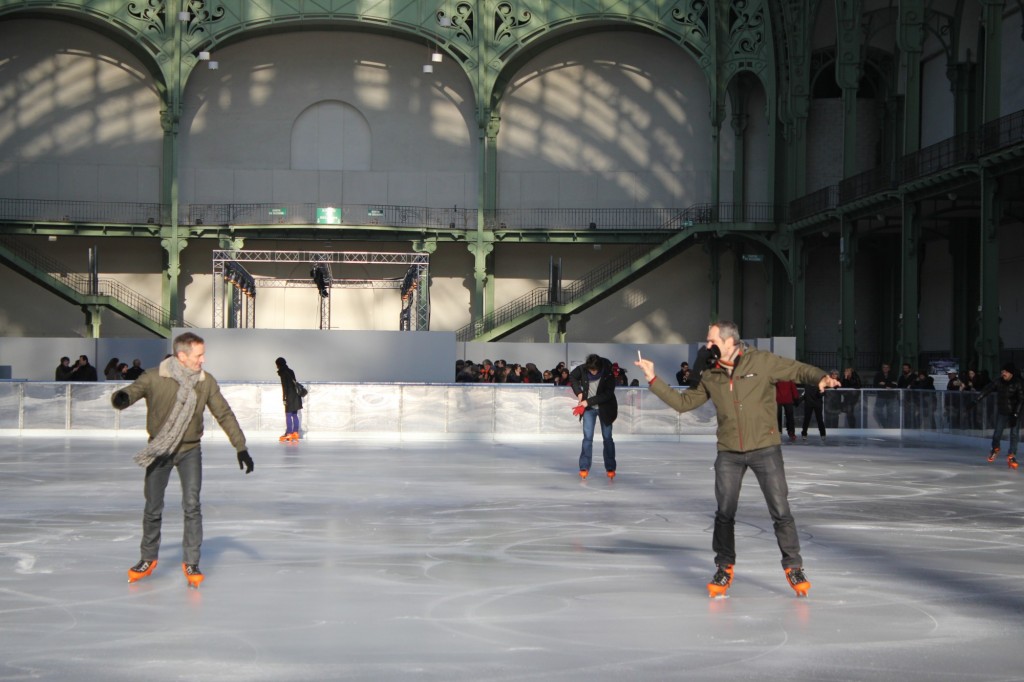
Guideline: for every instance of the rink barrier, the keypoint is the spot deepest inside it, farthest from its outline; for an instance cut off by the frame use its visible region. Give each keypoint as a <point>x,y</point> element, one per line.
<point>473,411</point>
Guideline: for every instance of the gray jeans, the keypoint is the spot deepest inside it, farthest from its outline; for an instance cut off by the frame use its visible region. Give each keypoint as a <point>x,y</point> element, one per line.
<point>190,472</point>
<point>771,475</point>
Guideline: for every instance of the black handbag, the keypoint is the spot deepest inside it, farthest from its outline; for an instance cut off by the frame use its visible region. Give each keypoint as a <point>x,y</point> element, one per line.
<point>301,390</point>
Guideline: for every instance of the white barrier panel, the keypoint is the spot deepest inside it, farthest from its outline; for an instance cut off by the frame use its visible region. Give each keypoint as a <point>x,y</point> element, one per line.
<point>468,411</point>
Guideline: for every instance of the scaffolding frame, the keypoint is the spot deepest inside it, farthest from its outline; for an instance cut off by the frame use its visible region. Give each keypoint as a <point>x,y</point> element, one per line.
<point>229,310</point>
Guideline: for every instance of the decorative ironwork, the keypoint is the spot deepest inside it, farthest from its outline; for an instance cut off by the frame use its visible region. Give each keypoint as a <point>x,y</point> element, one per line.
<point>747,27</point>
<point>694,16</point>
<point>461,20</point>
<point>505,21</point>
<point>200,16</point>
<point>152,12</point>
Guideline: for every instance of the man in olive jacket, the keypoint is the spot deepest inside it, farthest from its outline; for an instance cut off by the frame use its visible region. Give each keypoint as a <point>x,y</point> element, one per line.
<point>741,384</point>
<point>176,394</point>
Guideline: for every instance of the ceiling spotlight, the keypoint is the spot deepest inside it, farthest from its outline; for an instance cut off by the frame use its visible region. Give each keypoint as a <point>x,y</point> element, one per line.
<point>204,56</point>
<point>436,57</point>
<point>428,68</point>
<point>184,16</point>
<point>213,65</point>
<point>445,21</point>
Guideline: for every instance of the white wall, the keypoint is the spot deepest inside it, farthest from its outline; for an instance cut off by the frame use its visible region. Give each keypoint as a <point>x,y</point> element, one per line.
<point>606,120</point>
<point>79,117</point>
<point>239,123</point>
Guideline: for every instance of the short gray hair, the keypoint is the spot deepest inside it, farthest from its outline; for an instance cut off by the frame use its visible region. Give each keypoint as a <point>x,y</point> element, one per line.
<point>183,342</point>
<point>727,330</point>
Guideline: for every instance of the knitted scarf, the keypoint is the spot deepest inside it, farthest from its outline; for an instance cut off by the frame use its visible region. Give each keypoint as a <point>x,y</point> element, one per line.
<point>173,429</point>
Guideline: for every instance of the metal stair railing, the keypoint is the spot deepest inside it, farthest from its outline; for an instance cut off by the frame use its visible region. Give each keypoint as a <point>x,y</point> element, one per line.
<point>541,296</point>
<point>83,284</point>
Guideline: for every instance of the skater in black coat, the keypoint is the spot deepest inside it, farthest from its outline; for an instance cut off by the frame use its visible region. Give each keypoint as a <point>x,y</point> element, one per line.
<point>1010,398</point>
<point>292,400</point>
<point>594,382</point>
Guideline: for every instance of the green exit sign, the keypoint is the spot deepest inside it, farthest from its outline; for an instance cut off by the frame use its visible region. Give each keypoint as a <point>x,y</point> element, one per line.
<point>328,216</point>
<point>279,211</point>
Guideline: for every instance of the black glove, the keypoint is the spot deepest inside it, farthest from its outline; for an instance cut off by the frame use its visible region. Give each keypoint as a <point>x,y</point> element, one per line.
<point>245,461</point>
<point>714,355</point>
<point>120,400</point>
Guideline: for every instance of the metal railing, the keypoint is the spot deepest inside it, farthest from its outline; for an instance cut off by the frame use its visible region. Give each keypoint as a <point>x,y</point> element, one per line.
<point>86,285</point>
<point>969,147</point>
<point>63,211</point>
<point>542,296</point>
<point>819,201</point>
<point>416,217</point>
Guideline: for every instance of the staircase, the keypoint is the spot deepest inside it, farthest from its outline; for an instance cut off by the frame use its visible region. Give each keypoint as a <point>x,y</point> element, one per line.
<point>596,285</point>
<point>80,289</point>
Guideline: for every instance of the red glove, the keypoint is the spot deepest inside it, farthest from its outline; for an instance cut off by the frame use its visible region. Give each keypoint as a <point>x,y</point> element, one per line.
<point>578,411</point>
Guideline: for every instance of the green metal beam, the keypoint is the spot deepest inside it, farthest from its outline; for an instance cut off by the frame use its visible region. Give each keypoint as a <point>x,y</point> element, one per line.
<point>988,344</point>
<point>847,294</point>
<point>910,288</point>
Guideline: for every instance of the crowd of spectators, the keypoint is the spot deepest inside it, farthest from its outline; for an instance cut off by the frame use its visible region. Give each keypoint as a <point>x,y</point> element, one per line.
<point>502,372</point>
<point>82,370</point>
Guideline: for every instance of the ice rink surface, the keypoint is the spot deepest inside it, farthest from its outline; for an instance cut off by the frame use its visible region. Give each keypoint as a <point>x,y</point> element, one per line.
<point>342,560</point>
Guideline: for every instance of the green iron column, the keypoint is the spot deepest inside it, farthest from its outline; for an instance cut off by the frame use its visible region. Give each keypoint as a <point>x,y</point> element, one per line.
<point>738,280</point>
<point>988,343</point>
<point>911,42</point>
<point>739,128</point>
<point>798,260</point>
<point>961,81</point>
<point>714,276</point>
<point>850,38</point>
<point>992,21</point>
<point>964,246</point>
<point>910,298</point>
<point>93,318</point>
<point>174,74</point>
<point>557,325</point>
<point>847,299</point>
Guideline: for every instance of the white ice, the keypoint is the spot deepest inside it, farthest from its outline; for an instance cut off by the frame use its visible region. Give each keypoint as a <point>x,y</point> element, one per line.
<point>342,560</point>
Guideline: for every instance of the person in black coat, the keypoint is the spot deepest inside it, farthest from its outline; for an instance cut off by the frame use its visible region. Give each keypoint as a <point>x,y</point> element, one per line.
<point>594,382</point>
<point>292,400</point>
<point>1009,392</point>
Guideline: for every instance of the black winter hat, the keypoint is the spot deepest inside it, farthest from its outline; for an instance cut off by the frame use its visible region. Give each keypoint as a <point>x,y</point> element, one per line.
<point>1011,368</point>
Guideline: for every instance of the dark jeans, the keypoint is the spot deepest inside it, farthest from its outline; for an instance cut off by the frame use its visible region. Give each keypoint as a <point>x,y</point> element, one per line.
<point>771,476</point>
<point>190,472</point>
<point>815,409</point>
<point>590,416</point>
<point>787,410</point>
<point>1002,421</point>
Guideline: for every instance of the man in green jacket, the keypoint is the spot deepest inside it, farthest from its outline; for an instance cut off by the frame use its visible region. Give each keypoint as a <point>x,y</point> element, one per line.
<point>176,394</point>
<point>741,384</point>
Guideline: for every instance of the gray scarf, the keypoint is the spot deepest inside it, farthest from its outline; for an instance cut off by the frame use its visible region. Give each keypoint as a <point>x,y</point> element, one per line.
<point>173,429</point>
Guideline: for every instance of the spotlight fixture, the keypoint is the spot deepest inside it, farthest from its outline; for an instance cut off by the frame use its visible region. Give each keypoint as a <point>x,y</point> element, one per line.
<point>436,57</point>
<point>213,65</point>
<point>203,56</point>
<point>184,16</point>
<point>428,68</point>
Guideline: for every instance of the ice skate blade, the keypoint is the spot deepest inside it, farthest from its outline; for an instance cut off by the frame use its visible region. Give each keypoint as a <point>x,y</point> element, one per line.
<point>718,597</point>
